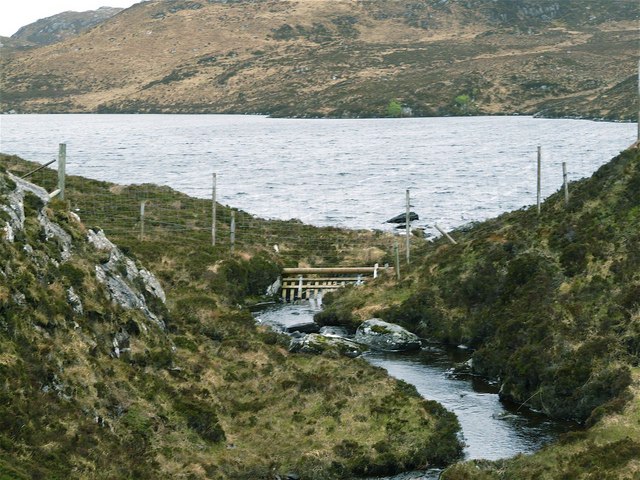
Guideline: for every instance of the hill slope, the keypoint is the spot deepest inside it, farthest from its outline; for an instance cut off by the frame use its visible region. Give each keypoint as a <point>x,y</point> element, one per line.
<point>62,26</point>
<point>340,58</point>
<point>109,372</point>
<point>551,304</point>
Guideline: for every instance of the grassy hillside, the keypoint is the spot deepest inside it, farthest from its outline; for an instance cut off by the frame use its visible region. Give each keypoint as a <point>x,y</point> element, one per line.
<point>550,303</point>
<point>340,58</point>
<point>187,388</point>
<point>551,306</point>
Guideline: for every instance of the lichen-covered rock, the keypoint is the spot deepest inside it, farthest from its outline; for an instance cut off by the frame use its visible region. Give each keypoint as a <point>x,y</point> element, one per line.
<point>56,233</point>
<point>121,276</point>
<point>316,344</point>
<point>74,301</point>
<point>382,335</point>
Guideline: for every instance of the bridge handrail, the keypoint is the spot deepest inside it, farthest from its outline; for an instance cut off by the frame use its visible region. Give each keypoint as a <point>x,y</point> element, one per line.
<point>328,270</point>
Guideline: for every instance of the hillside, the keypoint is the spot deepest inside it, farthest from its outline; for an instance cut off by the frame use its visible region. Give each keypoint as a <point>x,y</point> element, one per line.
<point>136,361</point>
<point>340,58</point>
<point>62,26</point>
<point>550,305</point>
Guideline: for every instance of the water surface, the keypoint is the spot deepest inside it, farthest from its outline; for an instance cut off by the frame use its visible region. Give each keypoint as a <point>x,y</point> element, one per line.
<point>350,173</point>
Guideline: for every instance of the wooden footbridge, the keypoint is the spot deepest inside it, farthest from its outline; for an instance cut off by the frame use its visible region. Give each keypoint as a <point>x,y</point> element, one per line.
<point>312,283</point>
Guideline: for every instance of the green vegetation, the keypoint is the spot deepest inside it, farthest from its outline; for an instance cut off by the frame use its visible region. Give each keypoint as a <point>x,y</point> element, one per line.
<point>210,396</point>
<point>394,109</point>
<point>551,306</point>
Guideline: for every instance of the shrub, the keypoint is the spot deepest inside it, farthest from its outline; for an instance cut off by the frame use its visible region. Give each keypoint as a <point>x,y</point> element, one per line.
<point>202,418</point>
<point>394,109</point>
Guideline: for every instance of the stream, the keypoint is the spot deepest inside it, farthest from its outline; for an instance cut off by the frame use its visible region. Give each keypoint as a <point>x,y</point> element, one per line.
<point>491,429</point>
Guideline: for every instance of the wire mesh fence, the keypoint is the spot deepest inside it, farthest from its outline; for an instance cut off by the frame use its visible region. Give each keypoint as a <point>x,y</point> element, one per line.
<point>153,213</point>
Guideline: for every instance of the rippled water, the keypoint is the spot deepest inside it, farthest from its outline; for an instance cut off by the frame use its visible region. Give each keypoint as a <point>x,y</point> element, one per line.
<point>350,173</point>
<point>491,429</point>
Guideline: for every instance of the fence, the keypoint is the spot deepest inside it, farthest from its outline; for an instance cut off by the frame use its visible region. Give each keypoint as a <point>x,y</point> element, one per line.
<point>158,213</point>
<point>152,213</point>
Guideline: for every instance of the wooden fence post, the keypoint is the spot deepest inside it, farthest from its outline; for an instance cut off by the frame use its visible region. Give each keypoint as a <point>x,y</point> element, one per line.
<point>62,166</point>
<point>397,257</point>
<point>142,204</point>
<point>539,174</point>
<point>233,230</point>
<point>565,183</point>
<point>448,237</point>
<point>213,210</point>
<point>408,225</point>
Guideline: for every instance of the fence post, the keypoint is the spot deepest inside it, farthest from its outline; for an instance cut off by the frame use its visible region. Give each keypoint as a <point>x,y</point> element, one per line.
<point>62,166</point>
<point>565,183</point>
<point>142,204</point>
<point>448,237</point>
<point>408,225</point>
<point>539,173</point>
<point>397,257</point>
<point>233,230</point>
<point>213,210</point>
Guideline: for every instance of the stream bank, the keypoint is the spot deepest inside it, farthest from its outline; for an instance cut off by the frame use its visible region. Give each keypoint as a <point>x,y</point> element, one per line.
<point>491,429</point>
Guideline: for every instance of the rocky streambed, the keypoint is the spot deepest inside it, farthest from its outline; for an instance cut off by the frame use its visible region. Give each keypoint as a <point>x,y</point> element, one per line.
<point>491,429</point>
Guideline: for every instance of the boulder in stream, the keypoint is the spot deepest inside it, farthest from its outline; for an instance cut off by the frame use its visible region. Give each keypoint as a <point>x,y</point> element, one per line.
<point>381,335</point>
<point>316,344</point>
<point>305,326</point>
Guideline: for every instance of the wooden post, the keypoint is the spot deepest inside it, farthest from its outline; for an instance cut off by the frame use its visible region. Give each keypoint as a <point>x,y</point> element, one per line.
<point>213,210</point>
<point>449,237</point>
<point>233,230</point>
<point>142,204</point>
<point>300,287</point>
<point>408,226</point>
<point>397,256</point>
<point>539,173</point>
<point>565,183</point>
<point>62,166</point>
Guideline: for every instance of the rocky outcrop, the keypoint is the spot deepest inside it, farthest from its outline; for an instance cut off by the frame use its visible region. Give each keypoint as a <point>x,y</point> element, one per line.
<point>127,285</point>
<point>121,276</point>
<point>63,25</point>
<point>381,335</point>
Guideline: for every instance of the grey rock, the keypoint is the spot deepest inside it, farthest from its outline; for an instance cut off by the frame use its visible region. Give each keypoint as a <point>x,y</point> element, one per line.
<point>382,335</point>
<point>8,233</point>
<point>121,343</point>
<point>413,216</point>
<point>25,186</point>
<point>53,231</point>
<point>99,240</point>
<point>123,289</point>
<point>316,344</point>
<point>152,285</point>
<point>303,327</point>
<point>74,301</point>
<point>19,299</point>
<point>332,331</point>
<point>274,288</point>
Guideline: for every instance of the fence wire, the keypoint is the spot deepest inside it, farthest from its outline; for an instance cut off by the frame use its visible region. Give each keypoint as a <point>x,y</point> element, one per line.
<point>152,213</point>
